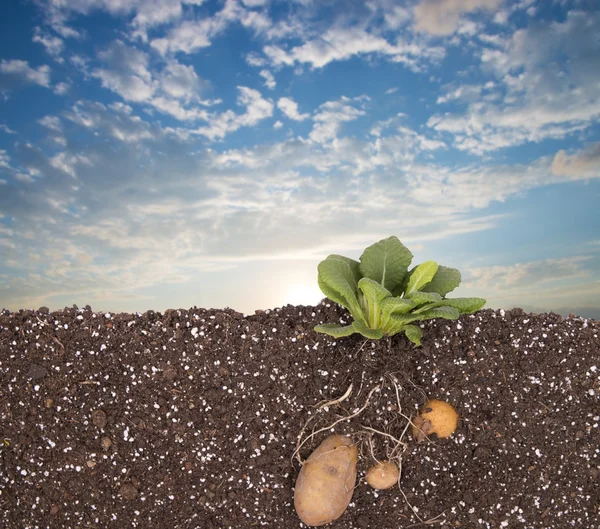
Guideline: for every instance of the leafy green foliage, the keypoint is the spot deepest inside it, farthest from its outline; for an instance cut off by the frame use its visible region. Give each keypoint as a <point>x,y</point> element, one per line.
<point>384,297</point>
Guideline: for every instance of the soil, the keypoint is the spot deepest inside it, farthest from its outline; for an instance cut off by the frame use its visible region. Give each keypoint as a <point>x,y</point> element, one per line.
<point>190,418</point>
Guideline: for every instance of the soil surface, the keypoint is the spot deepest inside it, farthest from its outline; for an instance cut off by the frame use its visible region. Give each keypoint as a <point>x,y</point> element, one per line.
<point>190,419</point>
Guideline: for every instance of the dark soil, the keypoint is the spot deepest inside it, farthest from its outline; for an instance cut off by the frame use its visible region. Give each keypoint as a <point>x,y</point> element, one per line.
<point>189,419</point>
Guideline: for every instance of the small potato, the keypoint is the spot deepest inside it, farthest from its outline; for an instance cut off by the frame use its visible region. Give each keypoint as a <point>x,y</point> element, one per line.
<point>326,481</point>
<point>383,476</point>
<point>436,417</point>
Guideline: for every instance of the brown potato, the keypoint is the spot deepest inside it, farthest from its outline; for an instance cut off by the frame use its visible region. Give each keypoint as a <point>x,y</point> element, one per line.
<point>436,417</point>
<point>383,476</point>
<point>326,481</point>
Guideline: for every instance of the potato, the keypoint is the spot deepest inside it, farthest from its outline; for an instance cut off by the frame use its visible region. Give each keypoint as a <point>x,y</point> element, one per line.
<point>436,417</point>
<point>326,481</point>
<point>383,476</point>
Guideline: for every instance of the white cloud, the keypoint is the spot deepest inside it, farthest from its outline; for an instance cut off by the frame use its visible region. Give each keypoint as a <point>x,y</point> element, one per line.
<point>51,122</point>
<point>16,73</point>
<point>61,88</point>
<point>257,109</point>
<point>175,90</point>
<point>581,164</point>
<point>290,108</point>
<point>145,14</point>
<point>337,44</point>
<point>53,45</point>
<point>127,73</point>
<point>4,159</point>
<point>329,118</point>
<point>192,35</point>
<point>154,13</point>
<point>180,82</point>
<point>545,87</point>
<point>254,3</point>
<point>116,122</point>
<point>257,21</point>
<point>6,129</point>
<point>254,59</point>
<point>269,79</point>
<point>277,125</point>
<point>528,275</point>
<point>441,17</point>
<point>475,187</point>
<point>395,16</point>
<point>175,109</point>
<point>468,93</point>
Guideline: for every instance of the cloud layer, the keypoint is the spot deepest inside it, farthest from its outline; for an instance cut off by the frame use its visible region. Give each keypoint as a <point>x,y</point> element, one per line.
<point>210,139</point>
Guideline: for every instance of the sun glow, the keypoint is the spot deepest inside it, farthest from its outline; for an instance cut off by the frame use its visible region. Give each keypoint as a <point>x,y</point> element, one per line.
<point>303,294</point>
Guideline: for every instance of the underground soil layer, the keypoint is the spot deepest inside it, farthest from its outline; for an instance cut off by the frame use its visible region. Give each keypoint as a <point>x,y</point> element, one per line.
<point>190,418</point>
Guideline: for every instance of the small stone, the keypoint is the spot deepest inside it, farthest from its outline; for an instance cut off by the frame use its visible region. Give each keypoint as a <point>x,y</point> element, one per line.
<point>54,510</point>
<point>49,403</point>
<point>106,443</point>
<point>99,418</point>
<point>90,463</point>
<point>128,492</point>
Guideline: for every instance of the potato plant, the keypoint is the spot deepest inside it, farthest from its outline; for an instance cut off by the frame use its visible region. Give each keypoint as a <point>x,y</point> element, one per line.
<point>384,297</point>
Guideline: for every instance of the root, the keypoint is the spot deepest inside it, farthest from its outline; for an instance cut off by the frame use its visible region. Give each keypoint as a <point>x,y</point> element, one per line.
<point>338,400</point>
<point>300,443</point>
<point>394,452</point>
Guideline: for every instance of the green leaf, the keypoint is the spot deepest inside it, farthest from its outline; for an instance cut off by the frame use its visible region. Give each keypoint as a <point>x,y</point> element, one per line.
<point>373,290</point>
<point>335,330</point>
<point>373,334</point>
<point>447,313</point>
<point>422,275</point>
<point>445,280</point>
<point>337,281</point>
<point>420,298</point>
<point>395,306</point>
<point>465,305</point>
<point>427,306</point>
<point>386,262</point>
<point>401,288</point>
<point>414,334</point>
<point>354,265</point>
<point>373,295</point>
<point>404,319</point>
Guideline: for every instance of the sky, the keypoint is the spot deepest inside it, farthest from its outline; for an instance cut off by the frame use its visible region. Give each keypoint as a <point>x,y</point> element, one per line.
<point>176,153</point>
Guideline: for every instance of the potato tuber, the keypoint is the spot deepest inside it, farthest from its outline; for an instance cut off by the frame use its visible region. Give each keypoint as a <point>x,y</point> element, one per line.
<point>326,481</point>
<point>382,476</point>
<point>436,417</point>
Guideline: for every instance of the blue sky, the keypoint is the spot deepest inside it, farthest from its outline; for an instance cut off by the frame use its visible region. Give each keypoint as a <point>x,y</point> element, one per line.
<point>174,153</point>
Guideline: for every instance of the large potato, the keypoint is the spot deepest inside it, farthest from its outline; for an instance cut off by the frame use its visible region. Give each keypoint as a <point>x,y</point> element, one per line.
<point>326,481</point>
